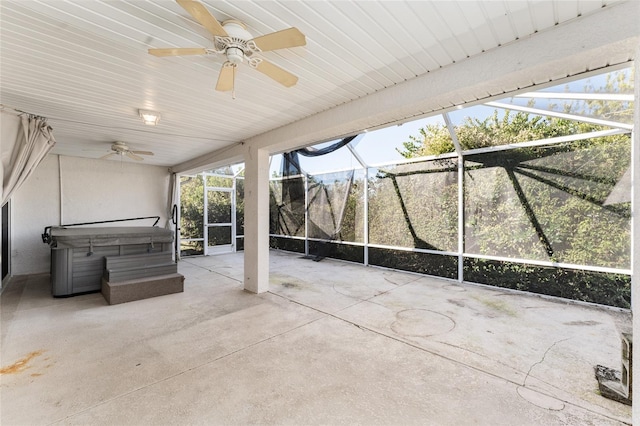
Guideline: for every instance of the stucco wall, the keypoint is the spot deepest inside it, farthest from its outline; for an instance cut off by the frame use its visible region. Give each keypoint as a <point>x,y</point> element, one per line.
<point>67,190</point>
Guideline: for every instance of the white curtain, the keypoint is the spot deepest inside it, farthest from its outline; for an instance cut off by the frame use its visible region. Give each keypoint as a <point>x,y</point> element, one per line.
<point>25,142</point>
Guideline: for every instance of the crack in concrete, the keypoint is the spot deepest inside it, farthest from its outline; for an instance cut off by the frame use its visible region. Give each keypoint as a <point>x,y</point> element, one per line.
<point>211,270</point>
<point>368,299</point>
<point>401,284</point>
<point>544,356</point>
<point>392,337</point>
<point>451,359</point>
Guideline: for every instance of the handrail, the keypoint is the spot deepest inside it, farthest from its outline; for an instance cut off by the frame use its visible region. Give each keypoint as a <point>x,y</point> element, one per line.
<point>46,236</point>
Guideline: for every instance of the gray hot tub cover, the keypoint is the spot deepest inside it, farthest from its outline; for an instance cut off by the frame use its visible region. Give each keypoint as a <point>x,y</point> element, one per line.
<point>108,236</point>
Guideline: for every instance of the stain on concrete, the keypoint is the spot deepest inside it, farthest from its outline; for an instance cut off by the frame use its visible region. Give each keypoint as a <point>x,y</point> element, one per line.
<point>456,302</point>
<point>421,323</point>
<point>499,306</point>
<point>582,323</point>
<point>288,282</point>
<point>21,364</point>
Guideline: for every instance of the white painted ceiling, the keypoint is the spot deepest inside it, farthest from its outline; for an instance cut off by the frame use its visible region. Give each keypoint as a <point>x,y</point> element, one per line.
<point>84,64</point>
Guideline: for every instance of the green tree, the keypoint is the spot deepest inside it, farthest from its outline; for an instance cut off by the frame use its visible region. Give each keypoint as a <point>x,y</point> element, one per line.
<point>539,203</point>
<point>435,139</point>
<point>472,133</point>
<point>191,213</point>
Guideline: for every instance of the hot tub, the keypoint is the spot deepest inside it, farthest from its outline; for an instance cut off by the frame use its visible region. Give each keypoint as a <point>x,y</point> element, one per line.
<point>77,254</point>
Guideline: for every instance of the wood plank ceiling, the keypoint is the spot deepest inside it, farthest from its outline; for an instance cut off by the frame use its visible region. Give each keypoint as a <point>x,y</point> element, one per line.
<point>84,64</point>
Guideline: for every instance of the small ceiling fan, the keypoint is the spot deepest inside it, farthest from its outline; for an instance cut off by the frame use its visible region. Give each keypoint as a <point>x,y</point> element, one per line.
<point>121,149</point>
<point>232,39</point>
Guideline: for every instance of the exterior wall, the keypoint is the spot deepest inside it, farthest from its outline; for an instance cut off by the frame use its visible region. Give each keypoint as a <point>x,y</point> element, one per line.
<point>33,206</point>
<point>66,190</point>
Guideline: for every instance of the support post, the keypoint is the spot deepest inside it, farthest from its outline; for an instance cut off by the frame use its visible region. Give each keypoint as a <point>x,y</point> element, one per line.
<point>635,235</point>
<point>461,229</point>
<point>256,220</point>
<point>456,144</point>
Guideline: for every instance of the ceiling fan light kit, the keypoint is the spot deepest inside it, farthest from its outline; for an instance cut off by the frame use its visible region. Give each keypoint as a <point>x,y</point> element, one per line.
<point>150,118</point>
<point>232,39</point>
<point>122,149</point>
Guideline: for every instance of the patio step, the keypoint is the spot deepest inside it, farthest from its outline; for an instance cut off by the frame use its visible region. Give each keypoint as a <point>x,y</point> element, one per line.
<point>129,267</point>
<point>141,288</point>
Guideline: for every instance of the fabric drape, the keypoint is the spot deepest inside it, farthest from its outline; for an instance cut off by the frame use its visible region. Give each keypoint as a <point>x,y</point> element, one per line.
<point>26,141</point>
<point>171,200</point>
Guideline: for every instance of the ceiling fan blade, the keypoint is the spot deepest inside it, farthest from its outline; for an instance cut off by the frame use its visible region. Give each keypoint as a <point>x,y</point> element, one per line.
<point>226,77</point>
<point>278,74</point>
<point>291,37</point>
<point>203,16</point>
<point>142,152</point>
<point>133,156</point>
<point>104,157</point>
<point>178,51</point>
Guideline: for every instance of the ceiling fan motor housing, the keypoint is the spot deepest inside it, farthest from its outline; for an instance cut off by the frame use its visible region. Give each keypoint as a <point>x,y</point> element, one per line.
<point>119,147</point>
<point>236,47</point>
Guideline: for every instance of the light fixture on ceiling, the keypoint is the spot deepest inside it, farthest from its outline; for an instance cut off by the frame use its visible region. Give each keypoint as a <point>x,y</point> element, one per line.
<point>150,118</point>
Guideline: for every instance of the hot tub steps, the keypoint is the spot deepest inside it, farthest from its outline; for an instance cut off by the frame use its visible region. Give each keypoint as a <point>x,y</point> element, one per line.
<point>142,288</point>
<point>140,276</point>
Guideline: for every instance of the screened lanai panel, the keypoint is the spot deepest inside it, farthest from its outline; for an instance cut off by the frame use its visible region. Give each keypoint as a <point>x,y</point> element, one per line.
<point>218,235</point>
<point>340,159</point>
<point>396,143</point>
<point>336,206</point>
<point>224,171</point>
<point>415,205</point>
<point>239,206</point>
<point>296,245</point>
<point>565,203</point>
<point>218,206</point>
<point>484,126</point>
<point>287,207</point>
<point>438,265</point>
<point>219,181</point>
<point>335,250</point>
<point>275,166</point>
<point>588,286</point>
<point>610,112</point>
<point>607,96</point>
<point>191,207</point>
<point>191,215</point>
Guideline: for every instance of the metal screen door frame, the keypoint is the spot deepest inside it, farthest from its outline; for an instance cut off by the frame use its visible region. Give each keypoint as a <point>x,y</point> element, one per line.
<point>214,225</point>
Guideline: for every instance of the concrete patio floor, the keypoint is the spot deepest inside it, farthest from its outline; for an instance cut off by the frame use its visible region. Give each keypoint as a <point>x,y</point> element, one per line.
<point>331,343</point>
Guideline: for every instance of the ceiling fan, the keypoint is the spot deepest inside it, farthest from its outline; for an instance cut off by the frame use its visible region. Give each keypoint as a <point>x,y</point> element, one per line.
<point>232,39</point>
<point>121,149</point>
